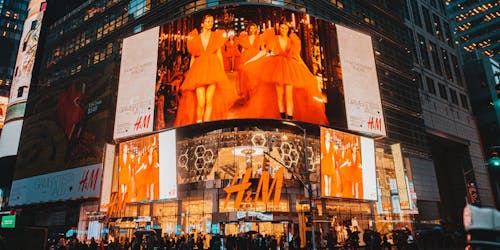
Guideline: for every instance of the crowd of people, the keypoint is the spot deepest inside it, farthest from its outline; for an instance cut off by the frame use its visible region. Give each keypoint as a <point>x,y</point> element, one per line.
<point>397,239</point>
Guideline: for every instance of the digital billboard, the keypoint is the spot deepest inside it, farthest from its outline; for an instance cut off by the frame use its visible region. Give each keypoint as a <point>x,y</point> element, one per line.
<point>74,183</point>
<point>67,124</point>
<point>3,109</point>
<point>147,168</point>
<point>138,169</point>
<point>347,165</point>
<point>260,62</point>
<point>27,51</point>
<point>135,106</point>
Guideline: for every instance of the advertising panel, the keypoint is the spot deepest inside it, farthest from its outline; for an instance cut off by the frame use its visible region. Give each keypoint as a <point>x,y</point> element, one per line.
<point>260,62</point>
<point>347,165</point>
<point>3,109</point>
<point>400,176</point>
<point>135,104</point>
<point>74,183</point>
<point>168,165</point>
<point>139,170</point>
<point>27,51</point>
<point>66,124</point>
<point>361,89</point>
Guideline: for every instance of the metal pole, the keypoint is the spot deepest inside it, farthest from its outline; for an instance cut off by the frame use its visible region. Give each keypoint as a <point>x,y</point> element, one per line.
<point>309,189</point>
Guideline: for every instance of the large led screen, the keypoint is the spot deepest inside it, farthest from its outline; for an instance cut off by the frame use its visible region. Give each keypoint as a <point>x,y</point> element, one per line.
<point>147,168</point>
<point>261,62</point>
<point>347,165</point>
<point>66,124</point>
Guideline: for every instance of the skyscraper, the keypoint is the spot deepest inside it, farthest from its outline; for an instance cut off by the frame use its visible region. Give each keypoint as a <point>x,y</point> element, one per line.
<point>450,125</point>
<point>475,24</point>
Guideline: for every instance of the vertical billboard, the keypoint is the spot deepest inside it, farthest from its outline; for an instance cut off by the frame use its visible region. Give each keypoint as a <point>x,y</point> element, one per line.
<point>27,51</point>
<point>135,104</point>
<point>3,109</point>
<point>260,62</point>
<point>347,165</point>
<point>361,89</point>
<point>168,165</point>
<point>399,169</point>
<point>147,168</point>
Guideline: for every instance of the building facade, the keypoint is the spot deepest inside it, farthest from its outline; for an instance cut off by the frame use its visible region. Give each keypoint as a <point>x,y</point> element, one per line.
<point>450,125</point>
<point>117,103</point>
<point>475,25</point>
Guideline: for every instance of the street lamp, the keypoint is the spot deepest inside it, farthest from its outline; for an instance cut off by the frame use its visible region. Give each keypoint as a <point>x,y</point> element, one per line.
<point>308,181</point>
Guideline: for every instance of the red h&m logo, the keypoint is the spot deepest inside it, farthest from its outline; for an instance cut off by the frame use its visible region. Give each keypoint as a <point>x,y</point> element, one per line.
<point>142,122</point>
<point>375,123</point>
<point>89,180</point>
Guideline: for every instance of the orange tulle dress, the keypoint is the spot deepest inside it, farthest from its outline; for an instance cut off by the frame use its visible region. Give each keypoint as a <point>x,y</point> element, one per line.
<point>286,67</point>
<point>207,69</point>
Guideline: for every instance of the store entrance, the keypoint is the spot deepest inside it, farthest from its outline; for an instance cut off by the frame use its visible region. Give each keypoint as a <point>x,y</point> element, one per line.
<point>264,228</point>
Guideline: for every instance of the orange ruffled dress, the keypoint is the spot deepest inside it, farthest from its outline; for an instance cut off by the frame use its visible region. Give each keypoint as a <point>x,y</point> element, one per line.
<point>287,68</point>
<point>206,69</point>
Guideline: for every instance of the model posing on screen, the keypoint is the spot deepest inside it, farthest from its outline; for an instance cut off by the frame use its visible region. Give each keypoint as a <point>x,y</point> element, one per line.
<point>206,77</point>
<point>297,91</point>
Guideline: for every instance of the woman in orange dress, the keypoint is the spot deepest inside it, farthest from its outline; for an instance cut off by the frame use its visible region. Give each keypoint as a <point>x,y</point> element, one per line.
<point>259,95</point>
<point>231,54</point>
<point>205,78</point>
<point>125,174</point>
<point>297,92</point>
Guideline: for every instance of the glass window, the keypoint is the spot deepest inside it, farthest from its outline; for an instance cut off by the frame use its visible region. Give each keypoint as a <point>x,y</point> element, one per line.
<point>453,95</point>
<point>416,13</point>
<point>427,19</point>
<point>437,27</point>
<point>418,78</point>
<point>447,66</point>
<point>423,52</point>
<point>430,86</point>
<point>458,72</point>
<point>442,91</point>
<point>435,58</point>
<point>447,31</point>
<point>465,103</point>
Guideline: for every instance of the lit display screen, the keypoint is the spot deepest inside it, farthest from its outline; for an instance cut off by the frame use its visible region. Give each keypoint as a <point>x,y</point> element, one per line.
<point>232,63</point>
<point>347,165</point>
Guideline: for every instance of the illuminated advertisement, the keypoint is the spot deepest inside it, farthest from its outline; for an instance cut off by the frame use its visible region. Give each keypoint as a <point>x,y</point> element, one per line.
<point>139,169</point>
<point>400,176</point>
<point>253,164</point>
<point>347,165</point>
<point>74,183</point>
<point>134,108</point>
<point>66,124</point>
<point>232,63</point>
<point>3,109</point>
<point>361,91</point>
<point>168,165</point>
<point>27,52</point>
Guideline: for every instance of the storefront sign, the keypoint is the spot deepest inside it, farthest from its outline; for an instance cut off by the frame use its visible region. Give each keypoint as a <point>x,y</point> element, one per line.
<point>243,194</point>
<point>64,185</point>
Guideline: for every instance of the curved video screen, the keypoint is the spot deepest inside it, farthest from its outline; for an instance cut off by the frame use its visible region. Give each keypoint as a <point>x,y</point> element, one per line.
<point>248,62</point>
